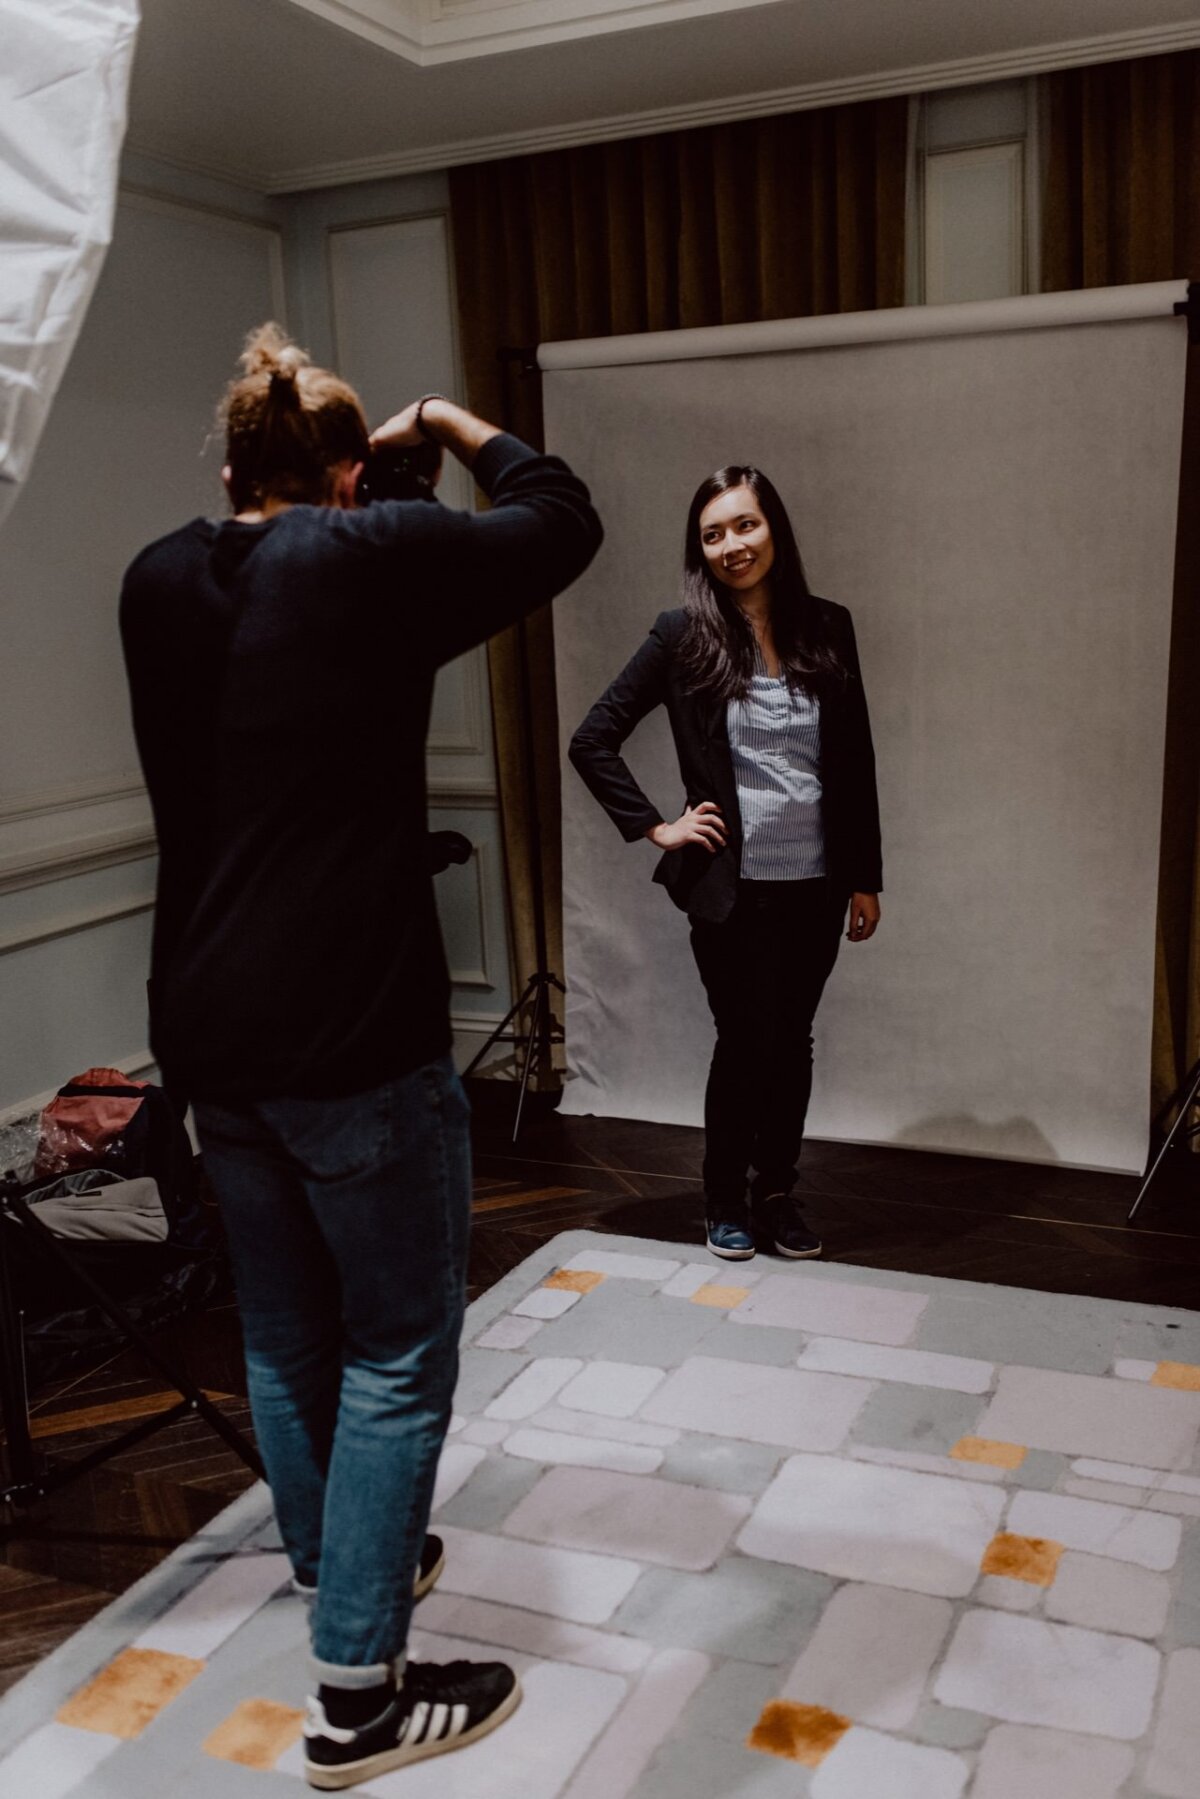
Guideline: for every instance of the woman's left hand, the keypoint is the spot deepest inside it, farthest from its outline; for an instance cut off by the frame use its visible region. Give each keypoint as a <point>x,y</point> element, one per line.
<point>864,916</point>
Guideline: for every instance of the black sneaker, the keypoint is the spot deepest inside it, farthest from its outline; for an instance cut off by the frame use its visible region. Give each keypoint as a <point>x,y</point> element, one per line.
<point>783,1221</point>
<point>429,1571</point>
<point>438,1707</point>
<point>727,1230</point>
<point>430,1567</point>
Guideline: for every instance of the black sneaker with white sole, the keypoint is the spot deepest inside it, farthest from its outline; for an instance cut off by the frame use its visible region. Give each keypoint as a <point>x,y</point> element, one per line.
<point>430,1567</point>
<point>436,1708</point>
<point>429,1571</point>
<point>783,1223</point>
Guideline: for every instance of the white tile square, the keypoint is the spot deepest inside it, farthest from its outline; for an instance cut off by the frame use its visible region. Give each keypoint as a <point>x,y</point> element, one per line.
<point>583,1589</point>
<point>833,1308</point>
<point>628,1515</point>
<point>866,1765</point>
<point>486,1431</point>
<point>1130,1370</point>
<point>1174,1767</point>
<point>623,1267</point>
<point>555,1446</point>
<point>877,1361</point>
<point>531,1633</point>
<point>1115,1531</point>
<point>458,1463</point>
<point>615,1389</point>
<point>1017,1762</point>
<point>616,1430</point>
<point>923,1532</point>
<point>547,1302</point>
<point>1093,1415</point>
<point>691,1277</point>
<point>648,1716</point>
<point>1025,1671</point>
<point>221,1603</point>
<point>54,1761</point>
<point>1008,1595</point>
<point>871,1654</point>
<point>1106,1595</point>
<point>779,1406</point>
<point>510,1332</point>
<point>534,1387</point>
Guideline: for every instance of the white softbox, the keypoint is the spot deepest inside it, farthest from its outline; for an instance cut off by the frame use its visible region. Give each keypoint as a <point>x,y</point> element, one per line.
<point>64,80</point>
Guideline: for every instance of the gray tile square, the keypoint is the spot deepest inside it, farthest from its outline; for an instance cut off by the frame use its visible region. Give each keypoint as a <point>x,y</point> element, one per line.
<point>773,1346</point>
<point>928,1419</point>
<point>722,1462</point>
<point>1015,1326</point>
<point>481,1375</point>
<point>740,1608</point>
<point>496,1487</point>
<point>704,1768</point>
<point>614,1323</point>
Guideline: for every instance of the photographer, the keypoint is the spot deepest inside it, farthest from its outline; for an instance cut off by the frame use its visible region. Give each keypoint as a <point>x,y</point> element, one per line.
<point>281,667</point>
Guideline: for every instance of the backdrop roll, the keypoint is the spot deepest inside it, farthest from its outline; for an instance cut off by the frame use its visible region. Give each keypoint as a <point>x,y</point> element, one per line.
<point>992,491</point>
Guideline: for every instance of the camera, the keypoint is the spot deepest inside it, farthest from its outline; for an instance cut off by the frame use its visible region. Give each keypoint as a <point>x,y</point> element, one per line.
<point>401,472</point>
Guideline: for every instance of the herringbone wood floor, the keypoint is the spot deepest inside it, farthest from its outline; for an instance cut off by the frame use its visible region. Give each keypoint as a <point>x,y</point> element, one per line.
<point>1054,1229</point>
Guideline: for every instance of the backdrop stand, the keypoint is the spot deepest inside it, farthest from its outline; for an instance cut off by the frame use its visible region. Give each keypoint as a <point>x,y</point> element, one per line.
<point>542,1030</point>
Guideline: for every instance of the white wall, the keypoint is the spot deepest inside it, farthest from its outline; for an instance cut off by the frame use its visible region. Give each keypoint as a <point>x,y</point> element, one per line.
<point>125,457</point>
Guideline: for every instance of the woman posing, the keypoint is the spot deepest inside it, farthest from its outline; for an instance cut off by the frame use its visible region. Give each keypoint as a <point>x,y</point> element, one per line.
<point>779,838</point>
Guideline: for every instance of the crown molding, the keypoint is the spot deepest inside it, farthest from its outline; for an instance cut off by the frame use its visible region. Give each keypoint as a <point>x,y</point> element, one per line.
<point>926,78</point>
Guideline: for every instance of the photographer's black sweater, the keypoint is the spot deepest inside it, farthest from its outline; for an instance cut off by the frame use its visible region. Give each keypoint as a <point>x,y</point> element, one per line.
<point>281,676</point>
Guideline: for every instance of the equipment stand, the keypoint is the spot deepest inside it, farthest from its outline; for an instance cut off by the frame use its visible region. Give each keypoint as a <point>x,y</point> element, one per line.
<point>542,1032</point>
<point>1186,1096</point>
<point>28,1483</point>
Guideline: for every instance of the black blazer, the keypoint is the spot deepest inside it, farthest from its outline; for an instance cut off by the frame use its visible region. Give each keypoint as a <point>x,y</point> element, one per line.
<point>702,883</point>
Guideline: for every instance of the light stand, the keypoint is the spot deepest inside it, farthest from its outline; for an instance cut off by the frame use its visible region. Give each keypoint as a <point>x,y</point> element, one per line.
<point>543,1031</point>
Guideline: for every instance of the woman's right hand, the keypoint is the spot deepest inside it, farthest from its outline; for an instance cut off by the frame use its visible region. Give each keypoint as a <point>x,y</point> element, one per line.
<point>699,824</point>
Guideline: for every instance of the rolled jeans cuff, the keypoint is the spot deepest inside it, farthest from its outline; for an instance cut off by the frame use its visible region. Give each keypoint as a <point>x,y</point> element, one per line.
<point>356,1680</point>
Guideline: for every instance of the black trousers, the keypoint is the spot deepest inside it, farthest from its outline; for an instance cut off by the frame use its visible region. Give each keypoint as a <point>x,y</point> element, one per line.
<point>764,970</point>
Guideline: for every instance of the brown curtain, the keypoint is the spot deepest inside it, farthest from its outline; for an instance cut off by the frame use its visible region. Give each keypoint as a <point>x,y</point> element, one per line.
<point>767,218</point>
<point>1123,204</point>
<point>1123,176</point>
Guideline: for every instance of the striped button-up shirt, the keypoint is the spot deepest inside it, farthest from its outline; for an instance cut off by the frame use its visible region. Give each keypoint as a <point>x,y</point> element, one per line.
<point>775,737</point>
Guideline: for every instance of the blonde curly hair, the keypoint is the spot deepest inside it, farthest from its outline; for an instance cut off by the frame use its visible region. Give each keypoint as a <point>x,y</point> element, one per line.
<point>287,424</point>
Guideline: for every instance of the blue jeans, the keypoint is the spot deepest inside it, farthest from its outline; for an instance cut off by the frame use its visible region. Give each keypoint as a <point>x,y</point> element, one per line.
<point>348,1222</point>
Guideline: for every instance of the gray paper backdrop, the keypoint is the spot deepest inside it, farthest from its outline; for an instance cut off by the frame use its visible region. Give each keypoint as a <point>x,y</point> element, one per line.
<point>998,513</point>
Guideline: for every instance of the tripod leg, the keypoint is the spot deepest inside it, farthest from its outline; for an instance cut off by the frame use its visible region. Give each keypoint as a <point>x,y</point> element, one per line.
<point>1184,1110</point>
<point>133,1333</point>
<point>14,1399</point>
<point>532,1049</point>
<point>500,1029</point>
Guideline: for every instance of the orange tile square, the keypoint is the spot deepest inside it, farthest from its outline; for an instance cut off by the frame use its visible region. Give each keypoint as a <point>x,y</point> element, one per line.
<point>798,1733</point>
<point>256,1734</point>
<point>1183,1375</point>
<point>1034,1559</point>
<point>726,1297</point>
<point>129,1694</point>
<point>575,1280</point>
<point>992,1455</point>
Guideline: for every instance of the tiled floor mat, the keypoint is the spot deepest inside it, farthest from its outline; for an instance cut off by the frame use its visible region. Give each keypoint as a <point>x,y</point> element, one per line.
<point>765,1529</point>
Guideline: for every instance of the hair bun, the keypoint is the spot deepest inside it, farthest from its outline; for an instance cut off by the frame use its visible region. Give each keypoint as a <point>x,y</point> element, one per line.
<point>270,351</point>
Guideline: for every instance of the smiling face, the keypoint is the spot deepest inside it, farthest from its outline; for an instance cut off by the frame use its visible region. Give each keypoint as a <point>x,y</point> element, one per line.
<point>736,540</point>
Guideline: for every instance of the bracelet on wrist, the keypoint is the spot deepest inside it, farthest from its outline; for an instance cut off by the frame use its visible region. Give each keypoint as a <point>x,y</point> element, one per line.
<point>419,420</point>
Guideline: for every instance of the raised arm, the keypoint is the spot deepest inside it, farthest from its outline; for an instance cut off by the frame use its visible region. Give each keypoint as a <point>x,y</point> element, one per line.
<point>595,748</point>
<point>485,570</point>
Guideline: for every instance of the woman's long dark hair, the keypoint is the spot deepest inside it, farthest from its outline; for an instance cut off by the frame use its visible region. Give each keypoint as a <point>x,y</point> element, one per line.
<point>718,646</point>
